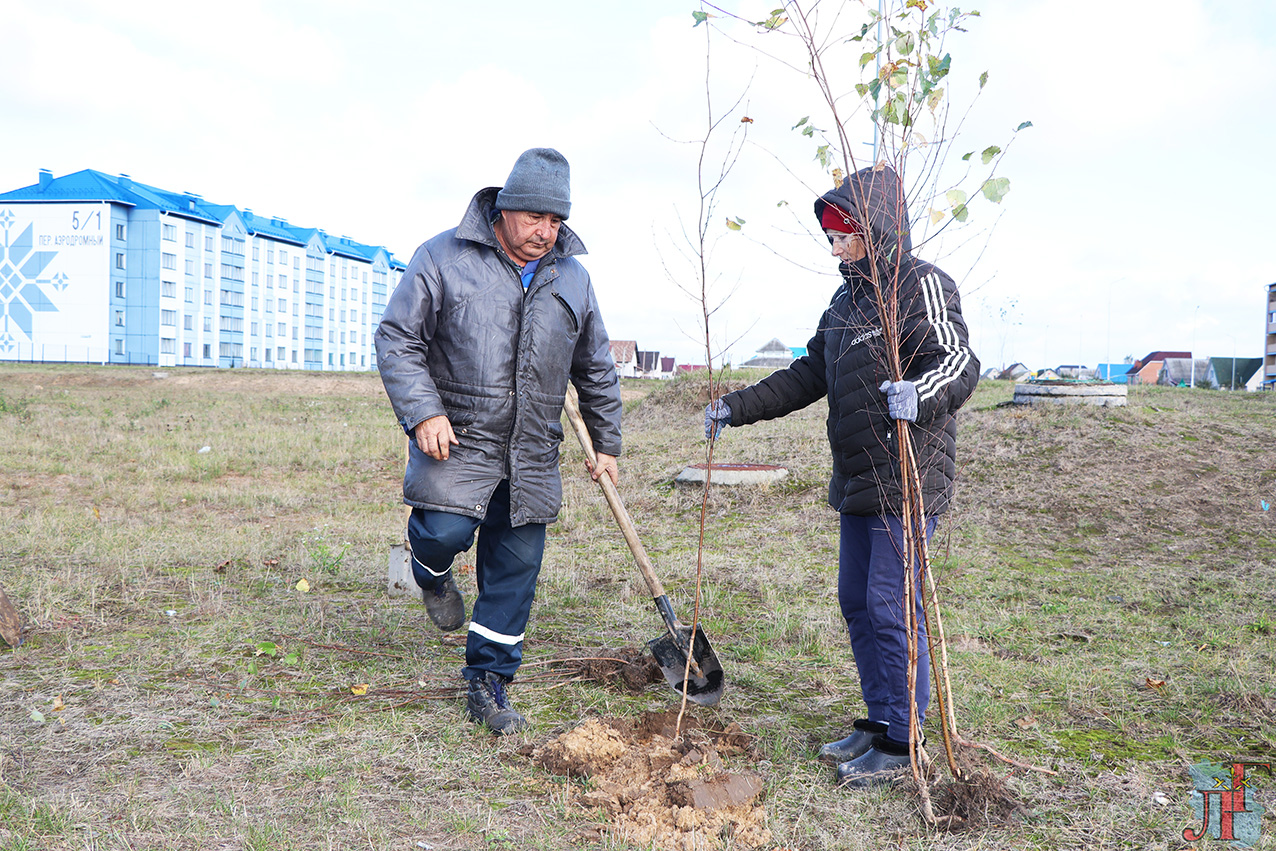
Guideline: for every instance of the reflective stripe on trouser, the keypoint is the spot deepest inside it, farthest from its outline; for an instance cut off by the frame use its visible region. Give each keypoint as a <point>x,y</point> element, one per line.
<point>870,589</point>
<point>506,565</point>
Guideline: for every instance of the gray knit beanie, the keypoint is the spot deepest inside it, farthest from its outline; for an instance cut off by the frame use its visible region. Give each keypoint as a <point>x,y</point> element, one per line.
<point>538,183</point>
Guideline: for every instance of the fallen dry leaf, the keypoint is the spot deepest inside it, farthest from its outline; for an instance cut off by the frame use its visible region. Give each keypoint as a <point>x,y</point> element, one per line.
<point>359,689</point>
<point>466,568</point>
<point>1026,722</point>
<point>58,705</point>
<point>221,568</point>
<point>303,585</point>
<point>1155,683</point>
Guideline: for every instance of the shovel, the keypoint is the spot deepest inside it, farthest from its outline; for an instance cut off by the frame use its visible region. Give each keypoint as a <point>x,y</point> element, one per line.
<point>704,675</point>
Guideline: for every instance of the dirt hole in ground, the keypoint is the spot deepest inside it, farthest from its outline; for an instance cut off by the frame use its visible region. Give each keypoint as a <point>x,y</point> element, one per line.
<point>687,792</point>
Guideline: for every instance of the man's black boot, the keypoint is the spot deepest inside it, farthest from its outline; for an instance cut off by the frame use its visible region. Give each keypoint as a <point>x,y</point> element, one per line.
<point>855,744</point>
<point>877,766</point>
<point>487,703</point>
<point>444,604</point>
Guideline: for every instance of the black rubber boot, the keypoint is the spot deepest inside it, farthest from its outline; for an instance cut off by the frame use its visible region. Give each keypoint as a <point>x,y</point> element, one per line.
<point>487,703</point>
<point>878,766</point>
<point>857,743</point>
<point>444,604</point>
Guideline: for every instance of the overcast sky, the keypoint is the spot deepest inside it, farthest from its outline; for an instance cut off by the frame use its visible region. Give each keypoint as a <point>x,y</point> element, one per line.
<point>1137,219</point>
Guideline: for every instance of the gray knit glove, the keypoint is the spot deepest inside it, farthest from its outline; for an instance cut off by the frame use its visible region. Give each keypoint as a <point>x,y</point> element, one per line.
<point>717,415</point>
<point>901,399</point>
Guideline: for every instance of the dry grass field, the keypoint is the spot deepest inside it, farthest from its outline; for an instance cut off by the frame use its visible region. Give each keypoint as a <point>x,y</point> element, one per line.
<point>1108,578</point>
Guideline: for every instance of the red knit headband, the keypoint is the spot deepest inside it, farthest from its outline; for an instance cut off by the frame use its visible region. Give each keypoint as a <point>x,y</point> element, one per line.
<point>833,218</point>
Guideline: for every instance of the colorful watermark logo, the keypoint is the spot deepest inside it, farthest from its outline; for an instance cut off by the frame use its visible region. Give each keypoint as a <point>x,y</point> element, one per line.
<point>1221,802</point>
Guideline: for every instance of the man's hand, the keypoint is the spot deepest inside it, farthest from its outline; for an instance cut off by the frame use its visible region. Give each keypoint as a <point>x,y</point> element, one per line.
<point>901,399</point>
<point>434,437</point>
<point>606,464</point>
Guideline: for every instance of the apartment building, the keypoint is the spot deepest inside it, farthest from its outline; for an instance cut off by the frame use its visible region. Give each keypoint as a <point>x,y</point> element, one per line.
<point>97,268</point>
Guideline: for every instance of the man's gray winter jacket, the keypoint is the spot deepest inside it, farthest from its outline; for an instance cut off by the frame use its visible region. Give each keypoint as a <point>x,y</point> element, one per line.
<point>460,337</point>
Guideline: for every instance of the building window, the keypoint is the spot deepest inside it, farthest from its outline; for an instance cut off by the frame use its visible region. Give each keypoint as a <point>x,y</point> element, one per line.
<point>208,323</point>
<point>119,289</point>
<point>168,317</point>
<point>208,242</point>
<point>190,295</point>
<point>252,353</point>
<point>186,350</point>
<point>168,289</point>
<point>119,232</point>
<point>188,322</point>
<point>268,354</point>
<point>190,243</point>
<point>208,351</point>
<point>169,232</point>
<point>119,347</point>
<point>119,319</point>
<point>168,346</point>
<point>208,296</point>
<point>252,330</point>
<point>294,355</point>
<point>168,261</point>
<point>208,270</point>
<point>190,267</point>
<point>283,330</point>
<point>256,256</point>
<point>119,260</point>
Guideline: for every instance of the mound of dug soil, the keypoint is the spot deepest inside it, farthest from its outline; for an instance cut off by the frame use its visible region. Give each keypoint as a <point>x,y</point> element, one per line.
<point>660,791</point>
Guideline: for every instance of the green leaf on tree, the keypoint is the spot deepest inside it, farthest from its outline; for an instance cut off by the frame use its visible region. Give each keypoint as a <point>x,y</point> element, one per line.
<point>939,67</point>
<point>734,224</point>
<point>935,98</point>
<point>904,44</point>
<point>955,196</point>
<point>966,156</point>
<point>808,130</point>
<point>960,213</point>
<point>1022,126</point>
<point>916,4</point>
<point>700,17</point>
<point>822,154</point>
<point>983,78</point>
<point>996,188</point>
<point>875,88</point>
<point>800,123</point>
<point>861,89</point>
<point>868,57</point>
<point>988,153</point>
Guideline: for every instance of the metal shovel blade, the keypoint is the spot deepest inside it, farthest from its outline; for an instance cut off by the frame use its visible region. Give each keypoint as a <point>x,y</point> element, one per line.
<point>399,580</point>
<point>704,680</point>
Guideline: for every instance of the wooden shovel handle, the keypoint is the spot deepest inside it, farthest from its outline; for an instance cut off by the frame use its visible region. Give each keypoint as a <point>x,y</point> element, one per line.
<point>613,497</point>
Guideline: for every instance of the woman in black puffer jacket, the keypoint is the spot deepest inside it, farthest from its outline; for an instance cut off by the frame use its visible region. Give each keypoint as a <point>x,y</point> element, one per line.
<point>866,221</point>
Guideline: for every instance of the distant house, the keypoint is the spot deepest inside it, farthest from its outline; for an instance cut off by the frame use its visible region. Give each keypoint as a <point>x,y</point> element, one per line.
<point>687,367</point>
<point>1183,372</point>
<point>1076,372</point>
<point>666,367</point>
<point>1147,369</point>
<point>774,355</point>
<point>1014,372</point>
<point>1114,372</point>
<point>648,364</point>
<point>798,351</point>
<point>1046,375</point>
<point>625,354</point>
<point>991,372</point>
<point>1234,373</point>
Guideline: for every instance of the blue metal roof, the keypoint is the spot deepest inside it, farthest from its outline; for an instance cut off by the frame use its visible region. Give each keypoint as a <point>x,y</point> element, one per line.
<point>95,186</point>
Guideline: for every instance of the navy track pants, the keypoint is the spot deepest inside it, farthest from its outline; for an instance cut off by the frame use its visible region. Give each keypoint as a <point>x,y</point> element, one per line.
<point>870,590</point>
<point>506,565</point>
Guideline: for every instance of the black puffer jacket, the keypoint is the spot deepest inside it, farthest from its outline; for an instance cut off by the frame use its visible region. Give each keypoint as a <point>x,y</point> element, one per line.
<point>460,337</point>
<point>846,360</point>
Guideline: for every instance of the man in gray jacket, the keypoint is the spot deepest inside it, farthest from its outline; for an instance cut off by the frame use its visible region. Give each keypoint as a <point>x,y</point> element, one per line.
<point>476,347</point>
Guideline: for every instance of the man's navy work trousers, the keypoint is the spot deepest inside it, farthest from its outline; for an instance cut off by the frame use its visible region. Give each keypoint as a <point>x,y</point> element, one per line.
<point>506,565</point>
<point>870,589</point>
